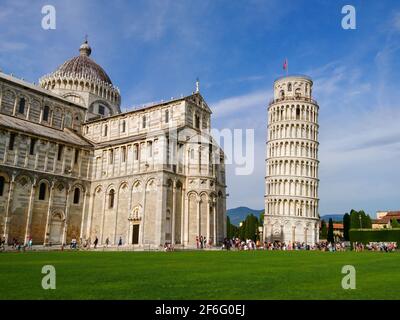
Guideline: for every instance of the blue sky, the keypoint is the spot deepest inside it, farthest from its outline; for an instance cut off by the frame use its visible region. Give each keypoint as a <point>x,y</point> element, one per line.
<point>154,50</point>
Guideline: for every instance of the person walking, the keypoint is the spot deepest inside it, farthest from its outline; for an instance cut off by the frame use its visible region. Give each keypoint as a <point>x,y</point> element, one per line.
<point>96,241</point>
<point>107,242</point>
<point>120,242</point>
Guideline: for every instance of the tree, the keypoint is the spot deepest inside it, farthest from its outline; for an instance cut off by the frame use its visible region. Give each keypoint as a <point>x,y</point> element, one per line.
<point>261,218</point>
<point>330,236</point>
<point>367,222</point>
<point>360,220</point>
<point>354,220</point>
<point>323,232</point>
<point>394,223</point>
<point>250,227</point>
<point>346,227</point>
<point>229,228</point>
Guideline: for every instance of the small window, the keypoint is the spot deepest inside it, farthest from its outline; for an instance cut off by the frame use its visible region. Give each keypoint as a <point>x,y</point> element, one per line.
<point>32,146</point>
<point>111,156</point>
<point>76,155</point>
<point>102,110</point>
<point>2,181</point>
<point>105,131</point>
<point>21,107</point>
<point>289,88</point>
<point>12,140</point>
<point>77,195</point>
<point>197,122</point>
<point>166,116</point>
<point>60,152</point>
<point>144,120</point>
<point>123,154</point>
<point>111,199</point>
<point>123,126</point>
<point>42,191</point>
<point>46,112</point>
<point>298,113</point>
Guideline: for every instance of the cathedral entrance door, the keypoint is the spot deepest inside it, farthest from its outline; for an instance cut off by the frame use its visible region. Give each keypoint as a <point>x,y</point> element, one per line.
<point>135,234</point>
<point>56,229</point>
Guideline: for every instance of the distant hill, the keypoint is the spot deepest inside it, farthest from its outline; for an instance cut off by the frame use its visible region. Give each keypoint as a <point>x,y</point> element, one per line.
<point>237,215</point>
<point>335,217</point>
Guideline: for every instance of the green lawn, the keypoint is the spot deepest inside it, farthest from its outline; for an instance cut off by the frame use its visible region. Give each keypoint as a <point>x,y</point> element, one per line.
<point>200,275</point>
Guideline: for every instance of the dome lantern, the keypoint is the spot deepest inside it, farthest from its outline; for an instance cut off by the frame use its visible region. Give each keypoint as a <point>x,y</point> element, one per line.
<point>85,49</point>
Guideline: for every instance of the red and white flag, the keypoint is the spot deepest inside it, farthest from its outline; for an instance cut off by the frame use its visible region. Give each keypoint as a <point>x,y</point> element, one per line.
<point>285,64</point>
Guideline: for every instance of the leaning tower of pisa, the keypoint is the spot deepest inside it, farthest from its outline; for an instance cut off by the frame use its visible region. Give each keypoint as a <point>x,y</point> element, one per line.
<point>291,197</point>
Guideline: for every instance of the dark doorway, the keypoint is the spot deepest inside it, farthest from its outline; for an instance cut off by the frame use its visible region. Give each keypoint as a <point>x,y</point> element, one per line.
<point>135,234</point>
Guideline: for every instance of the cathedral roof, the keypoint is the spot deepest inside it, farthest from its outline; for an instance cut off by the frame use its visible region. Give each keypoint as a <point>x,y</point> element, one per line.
<point>22,125</point>
<point>83,66</point>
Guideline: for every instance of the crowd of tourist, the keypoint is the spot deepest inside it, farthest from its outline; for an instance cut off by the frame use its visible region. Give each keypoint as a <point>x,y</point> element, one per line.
<point>375,246</point>
<point>230,244</point>
<point>237,244</point>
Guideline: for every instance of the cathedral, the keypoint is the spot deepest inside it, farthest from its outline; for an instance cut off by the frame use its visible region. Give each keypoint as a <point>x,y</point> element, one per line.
<point>72,166</point>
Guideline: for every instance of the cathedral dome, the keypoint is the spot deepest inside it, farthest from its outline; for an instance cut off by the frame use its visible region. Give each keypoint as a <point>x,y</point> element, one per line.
<point>83,66</point>
<point>83,81</point>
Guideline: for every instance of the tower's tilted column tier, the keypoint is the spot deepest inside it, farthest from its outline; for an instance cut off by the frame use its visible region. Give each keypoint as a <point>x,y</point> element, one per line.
<point>291,198</point>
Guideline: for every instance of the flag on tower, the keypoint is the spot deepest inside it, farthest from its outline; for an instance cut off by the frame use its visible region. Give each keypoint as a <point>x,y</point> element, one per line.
<point>285,64</point>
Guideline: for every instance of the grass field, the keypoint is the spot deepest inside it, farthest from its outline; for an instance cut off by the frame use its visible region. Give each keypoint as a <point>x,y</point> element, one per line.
<point>200,275</point>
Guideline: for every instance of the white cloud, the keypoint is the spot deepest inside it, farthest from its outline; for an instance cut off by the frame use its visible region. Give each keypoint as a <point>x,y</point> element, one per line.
<point>242,103</point>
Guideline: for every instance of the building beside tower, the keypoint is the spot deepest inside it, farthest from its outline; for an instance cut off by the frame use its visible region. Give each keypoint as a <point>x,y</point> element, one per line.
<point>291,197</point>
<point>73,166</point>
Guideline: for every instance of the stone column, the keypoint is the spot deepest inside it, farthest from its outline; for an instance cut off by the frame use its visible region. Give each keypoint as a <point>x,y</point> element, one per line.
<point>8,207</point>
<point>86,197</point>
<point>16,150</point>
<point>116,202</point>
<point>141,228</point>
<point>215,222</point>
<point>173,213</point>
<point>198,217</point>
<point>1,96</point>
<point>161,213</point>
<point>66,211</point>
<point>15,105</point>
<point>90,215</point>
<point>208,221</point>
<point>28,110</point>
<point>41,114</point>
<point>103,217</point>
<point>182,215</point>
<point>223,217</point>
<point>51,117</point>
<point>30,209</point>
<point>48,219</point>
<point>186,213</point>
<point>129,233</point>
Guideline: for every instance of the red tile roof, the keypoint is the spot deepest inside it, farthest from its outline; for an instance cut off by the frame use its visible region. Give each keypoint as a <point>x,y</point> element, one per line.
<point>393,214</point>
